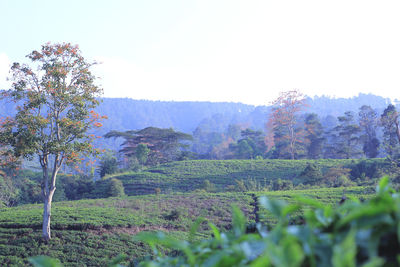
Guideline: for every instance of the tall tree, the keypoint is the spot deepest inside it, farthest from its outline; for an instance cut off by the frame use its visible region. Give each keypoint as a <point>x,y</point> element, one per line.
<point>348,137</point>
<point>288,135</point>
<point>164,144</point>
<point>391,133</point>
<point>313,136</point>
<point>56,95</point>
<point>368,121</point>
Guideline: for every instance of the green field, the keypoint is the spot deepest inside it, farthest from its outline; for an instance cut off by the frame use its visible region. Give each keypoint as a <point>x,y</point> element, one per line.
<point>186,176</point>
<point>91,232</point>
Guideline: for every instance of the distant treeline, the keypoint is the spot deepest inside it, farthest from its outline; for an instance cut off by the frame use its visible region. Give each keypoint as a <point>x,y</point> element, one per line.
<point>362,134</point>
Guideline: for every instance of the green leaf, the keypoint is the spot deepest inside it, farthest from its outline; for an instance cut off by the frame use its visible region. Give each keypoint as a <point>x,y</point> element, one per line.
<point>383,185</point>
<point>194,228</point>
<point>398,231</point>
<point>320,216</point>
<point>375,262</point>
<point>368,214</point>
<point>275,206</point>
<point>238,221</point>
<point>293,252</point>
<point>115,262</point>
<point>262,261</point>
<point>309,202</point>
<point>44,261</point>
<point>217,234</point>
<point>290,209</point>
<point>344,254</point>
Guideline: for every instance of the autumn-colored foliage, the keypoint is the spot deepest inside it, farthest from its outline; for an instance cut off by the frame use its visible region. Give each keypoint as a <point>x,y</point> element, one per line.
<point>56,96</point>
<point>283,120</point>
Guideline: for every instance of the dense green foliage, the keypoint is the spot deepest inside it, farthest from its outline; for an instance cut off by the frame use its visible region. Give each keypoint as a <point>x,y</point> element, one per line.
<point>353,234</point>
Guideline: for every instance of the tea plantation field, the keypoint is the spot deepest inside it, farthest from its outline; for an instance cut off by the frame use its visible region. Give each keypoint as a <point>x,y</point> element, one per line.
<point>186,176</point>
<point>92,232</point>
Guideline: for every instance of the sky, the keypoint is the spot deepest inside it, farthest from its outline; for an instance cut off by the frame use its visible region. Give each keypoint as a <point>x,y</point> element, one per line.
<point>222,51</point>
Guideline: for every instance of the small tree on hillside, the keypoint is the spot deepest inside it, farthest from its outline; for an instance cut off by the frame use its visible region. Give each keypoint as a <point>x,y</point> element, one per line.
<point>108,164</point>
<point>142,153</point>
<point>55,96</point>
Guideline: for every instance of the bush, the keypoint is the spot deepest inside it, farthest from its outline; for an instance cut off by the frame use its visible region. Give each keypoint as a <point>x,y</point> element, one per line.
<point>337,176</point>
<point>116,188</point>
<point>208,186</point>
<point>172,216</point>
<point>280,184</point>
<point>108,165</point>
<point>311,174</point>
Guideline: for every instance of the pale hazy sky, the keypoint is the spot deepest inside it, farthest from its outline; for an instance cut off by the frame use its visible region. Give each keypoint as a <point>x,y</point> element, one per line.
<point>237,51</point>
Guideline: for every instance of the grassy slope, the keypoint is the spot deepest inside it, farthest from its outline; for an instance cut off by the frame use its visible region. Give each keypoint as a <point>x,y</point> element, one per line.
<point>186,176</point>
<point>91,232</point>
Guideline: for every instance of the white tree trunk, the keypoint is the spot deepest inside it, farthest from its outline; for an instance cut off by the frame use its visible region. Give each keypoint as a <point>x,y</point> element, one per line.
<point>47,215</point>
<point>48,189</point>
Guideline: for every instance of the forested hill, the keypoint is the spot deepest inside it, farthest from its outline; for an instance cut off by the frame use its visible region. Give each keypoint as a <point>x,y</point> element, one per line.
<point>126,114</point>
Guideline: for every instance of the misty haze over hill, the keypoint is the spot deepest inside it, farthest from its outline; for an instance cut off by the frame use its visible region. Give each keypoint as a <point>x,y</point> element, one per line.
<point>127,114</point>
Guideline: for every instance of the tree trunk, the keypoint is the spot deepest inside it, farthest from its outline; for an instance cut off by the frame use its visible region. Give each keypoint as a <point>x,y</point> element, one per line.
<point>48,189</point>
<point>47,215</point>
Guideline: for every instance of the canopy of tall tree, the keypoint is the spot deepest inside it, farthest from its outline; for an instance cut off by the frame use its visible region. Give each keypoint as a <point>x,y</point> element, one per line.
<point>391,130</point>
<point>347,137</point>
<point>368,121</point>
<point>164,144</point>
<point>56,95</point>
<point>288,136</point>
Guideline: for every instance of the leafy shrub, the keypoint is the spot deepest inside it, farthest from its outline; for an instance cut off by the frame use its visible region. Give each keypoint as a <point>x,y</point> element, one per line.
<point>208,186</point>
<point>337,176</point>
<point>240,186</point>
<point>108,165</point>
<point>116,188</point>
<point>280,184</point>
<point>172,216</point>
<point>311,174</point>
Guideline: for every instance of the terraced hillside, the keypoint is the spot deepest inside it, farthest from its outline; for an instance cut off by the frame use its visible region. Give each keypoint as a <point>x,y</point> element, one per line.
<point>91,232</point>
<point>186,176</point>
